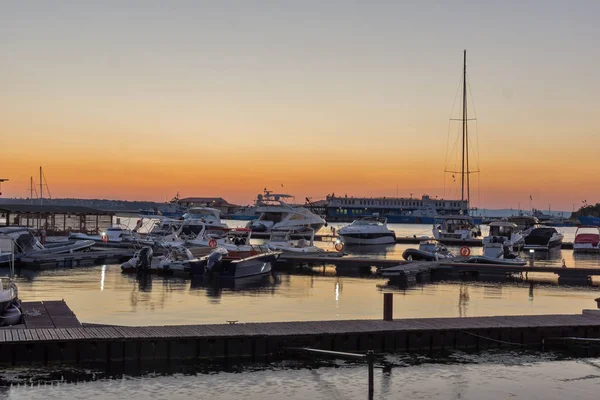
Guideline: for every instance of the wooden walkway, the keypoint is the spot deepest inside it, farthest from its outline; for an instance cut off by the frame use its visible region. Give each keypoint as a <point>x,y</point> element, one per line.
<point>48,315</point>
<point>290,329</point>
<point>52,334</point>
<point>76,259</point>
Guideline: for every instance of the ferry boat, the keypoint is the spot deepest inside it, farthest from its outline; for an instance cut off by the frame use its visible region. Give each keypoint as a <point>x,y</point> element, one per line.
<point>589,220</point>
<point>398,210</point>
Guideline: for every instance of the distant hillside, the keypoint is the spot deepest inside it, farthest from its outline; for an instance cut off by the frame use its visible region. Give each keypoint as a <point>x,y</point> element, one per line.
<point>587,211</point>
<point>101,204</point>
<point>507,212</point>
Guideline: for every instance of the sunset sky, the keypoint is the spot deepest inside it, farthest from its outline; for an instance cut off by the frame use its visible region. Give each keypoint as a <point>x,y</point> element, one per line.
<point>139,100</point>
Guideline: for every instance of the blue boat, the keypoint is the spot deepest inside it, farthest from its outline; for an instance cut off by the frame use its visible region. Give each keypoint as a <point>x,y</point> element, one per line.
<point>590,221</point>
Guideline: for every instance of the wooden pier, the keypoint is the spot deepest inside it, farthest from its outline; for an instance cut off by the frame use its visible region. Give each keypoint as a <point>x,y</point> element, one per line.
<point>409,271</point>
<point>52,334</point>
<point>475,242</point>
<point>76,259</point>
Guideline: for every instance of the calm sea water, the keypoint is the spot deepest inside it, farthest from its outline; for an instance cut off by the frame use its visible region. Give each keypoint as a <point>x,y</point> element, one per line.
<point>102,294</point>
<point>488,375</point>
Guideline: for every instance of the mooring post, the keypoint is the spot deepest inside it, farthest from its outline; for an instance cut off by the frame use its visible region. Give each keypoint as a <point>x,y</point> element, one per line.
<point>388,306</point>
<point>531,253</point>
<point>597,302</point>
<point>370,360</point>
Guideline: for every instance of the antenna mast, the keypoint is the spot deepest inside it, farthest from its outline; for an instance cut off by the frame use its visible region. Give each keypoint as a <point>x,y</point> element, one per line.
<point>465,137</point>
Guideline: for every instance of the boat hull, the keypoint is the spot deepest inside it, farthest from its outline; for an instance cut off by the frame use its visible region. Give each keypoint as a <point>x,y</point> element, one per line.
<point>496,261</point>
<point>252,266</point>
<point>586,248</point>
<point>420,255</point>
<point>243,217</point>
<point>553,244</point>
<point>368,238</point>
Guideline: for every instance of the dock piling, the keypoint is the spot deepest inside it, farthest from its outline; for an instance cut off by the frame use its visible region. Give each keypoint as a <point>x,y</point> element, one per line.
<point>388,306</point>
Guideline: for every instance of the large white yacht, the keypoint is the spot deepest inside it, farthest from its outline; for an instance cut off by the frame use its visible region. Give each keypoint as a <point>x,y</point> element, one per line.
<point>277,215</point>
<point>368,230</point>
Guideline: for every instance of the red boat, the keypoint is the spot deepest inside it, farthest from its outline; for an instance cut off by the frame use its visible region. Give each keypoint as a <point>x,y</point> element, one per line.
<point>587,239</point>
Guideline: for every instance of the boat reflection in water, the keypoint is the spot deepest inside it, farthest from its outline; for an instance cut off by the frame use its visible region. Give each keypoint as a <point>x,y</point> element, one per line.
<point>371,249</point>
<point>215,288</point>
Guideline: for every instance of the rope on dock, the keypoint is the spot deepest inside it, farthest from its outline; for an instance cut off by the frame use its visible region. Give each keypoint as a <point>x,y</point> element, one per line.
<point>496,340</point>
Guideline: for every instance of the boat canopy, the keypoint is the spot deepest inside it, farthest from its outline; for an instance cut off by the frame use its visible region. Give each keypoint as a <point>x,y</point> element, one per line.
<point>504,224</point>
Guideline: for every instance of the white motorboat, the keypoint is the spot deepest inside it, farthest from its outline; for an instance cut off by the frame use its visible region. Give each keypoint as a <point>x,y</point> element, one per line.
<point>367,230</point>
<point>282,241</point>
<point>235,241</point>
<point>8,293</point>
<point>456,227</point>
<point>587,239</point>
<point>525,224</point>
<point>198,218</point>
<point>503,234</point>
<point>498,245</point>
<point>543,238</point>
<point>21,241</point>
<point>429,250</point>
<point>172,259</point>
<point>115,233</point>
<point>277,215</point>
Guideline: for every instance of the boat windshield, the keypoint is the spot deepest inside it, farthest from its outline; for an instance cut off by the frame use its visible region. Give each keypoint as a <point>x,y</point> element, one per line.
<point>505,231</point>
<point>200,214</point>
<point>588,230</point>
<point>271,216</point>
<point>368,221</point>
<point>458,224</point>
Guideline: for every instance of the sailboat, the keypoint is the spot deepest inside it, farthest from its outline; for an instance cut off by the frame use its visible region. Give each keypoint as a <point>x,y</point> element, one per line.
<point>467,228</point>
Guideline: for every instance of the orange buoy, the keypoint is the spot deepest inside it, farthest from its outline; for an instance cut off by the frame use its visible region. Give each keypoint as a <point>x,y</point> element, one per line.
<point>105,238</point>
<point>339,246</point>
<point>212,243</point>
<point>465,251</point>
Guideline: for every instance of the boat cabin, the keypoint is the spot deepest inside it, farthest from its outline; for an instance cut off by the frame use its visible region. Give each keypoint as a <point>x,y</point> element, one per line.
<point>503,229</point>
<point>205,214</point>
<point>455,223</point>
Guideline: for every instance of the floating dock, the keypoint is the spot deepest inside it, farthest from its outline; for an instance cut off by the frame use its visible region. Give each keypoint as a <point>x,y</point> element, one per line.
<point>401,239</point>
<point>76,259</point>
<point>407,272</point>
<point>52,334</point>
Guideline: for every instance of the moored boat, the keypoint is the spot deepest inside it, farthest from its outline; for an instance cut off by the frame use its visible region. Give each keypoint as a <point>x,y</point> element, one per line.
<point>503,234</point>
<point>456,227</point>
<point>228,267</point>
<point>367,231</point>
<point>587,239</point>
<point>543,238</point>
<point>277,215</point>
<point>429,250</point>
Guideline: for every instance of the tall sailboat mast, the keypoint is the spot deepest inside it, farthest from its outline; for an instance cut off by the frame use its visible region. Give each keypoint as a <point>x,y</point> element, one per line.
<point>465,139</point>
<point>41,189</point>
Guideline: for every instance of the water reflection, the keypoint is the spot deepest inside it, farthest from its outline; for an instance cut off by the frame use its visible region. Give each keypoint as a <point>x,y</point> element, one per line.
<point>463,300</point>
<point>382,250</point>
